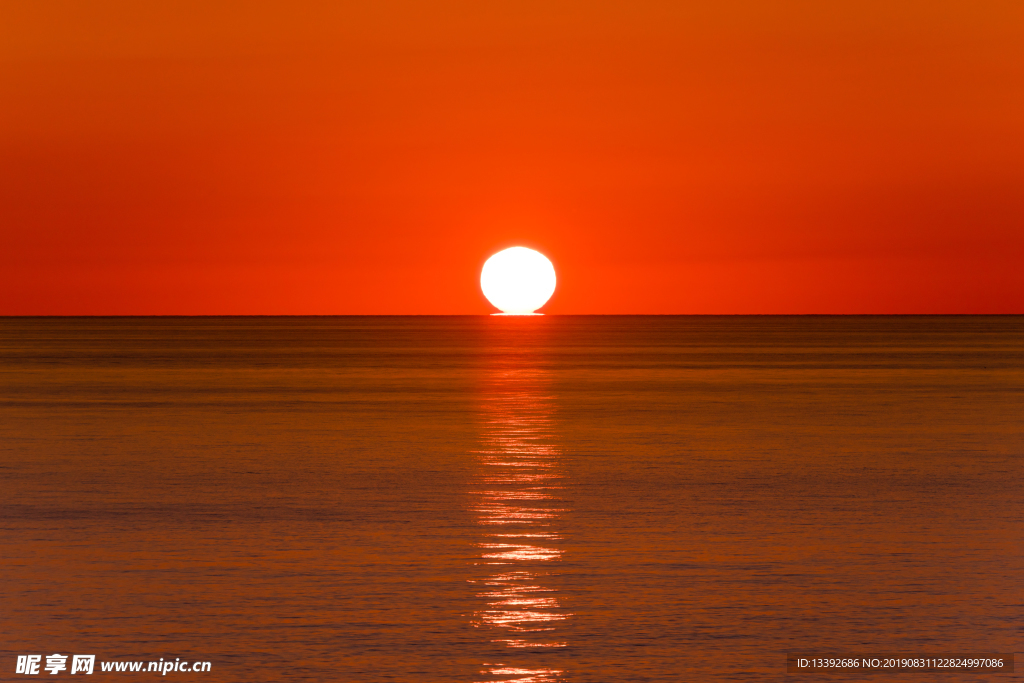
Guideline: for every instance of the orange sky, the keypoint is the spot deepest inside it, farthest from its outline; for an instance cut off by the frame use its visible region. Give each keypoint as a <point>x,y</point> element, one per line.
<point>366,157</point>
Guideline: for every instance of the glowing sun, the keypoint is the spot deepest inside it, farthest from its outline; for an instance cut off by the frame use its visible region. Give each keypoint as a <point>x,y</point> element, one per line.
<point>518,280</point>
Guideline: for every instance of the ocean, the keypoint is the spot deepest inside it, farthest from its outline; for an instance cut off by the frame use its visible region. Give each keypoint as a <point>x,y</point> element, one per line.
<point>538,499</point>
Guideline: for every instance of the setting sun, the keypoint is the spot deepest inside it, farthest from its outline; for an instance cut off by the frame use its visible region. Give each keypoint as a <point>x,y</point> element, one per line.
<point>518,280</point>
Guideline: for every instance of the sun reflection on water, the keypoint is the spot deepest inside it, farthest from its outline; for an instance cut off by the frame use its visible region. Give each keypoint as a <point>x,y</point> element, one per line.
<point>518,506</point>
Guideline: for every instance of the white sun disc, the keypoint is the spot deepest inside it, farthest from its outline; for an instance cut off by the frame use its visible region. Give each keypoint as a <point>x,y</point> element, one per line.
<point>518,280</point>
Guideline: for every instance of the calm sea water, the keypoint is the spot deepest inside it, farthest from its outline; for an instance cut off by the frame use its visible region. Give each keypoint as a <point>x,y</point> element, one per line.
<point>499,499</point>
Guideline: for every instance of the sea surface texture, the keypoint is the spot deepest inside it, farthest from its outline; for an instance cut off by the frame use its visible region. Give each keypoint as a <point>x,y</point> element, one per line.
<point>532,499</point>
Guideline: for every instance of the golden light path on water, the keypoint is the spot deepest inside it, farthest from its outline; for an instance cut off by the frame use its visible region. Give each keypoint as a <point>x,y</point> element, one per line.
<point>518,505</point>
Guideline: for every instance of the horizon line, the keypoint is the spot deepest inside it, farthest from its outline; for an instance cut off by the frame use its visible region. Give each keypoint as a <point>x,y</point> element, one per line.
<point>493,315</point>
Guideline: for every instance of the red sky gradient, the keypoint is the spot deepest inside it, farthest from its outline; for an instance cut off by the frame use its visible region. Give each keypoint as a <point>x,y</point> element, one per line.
<point>366,157</point>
